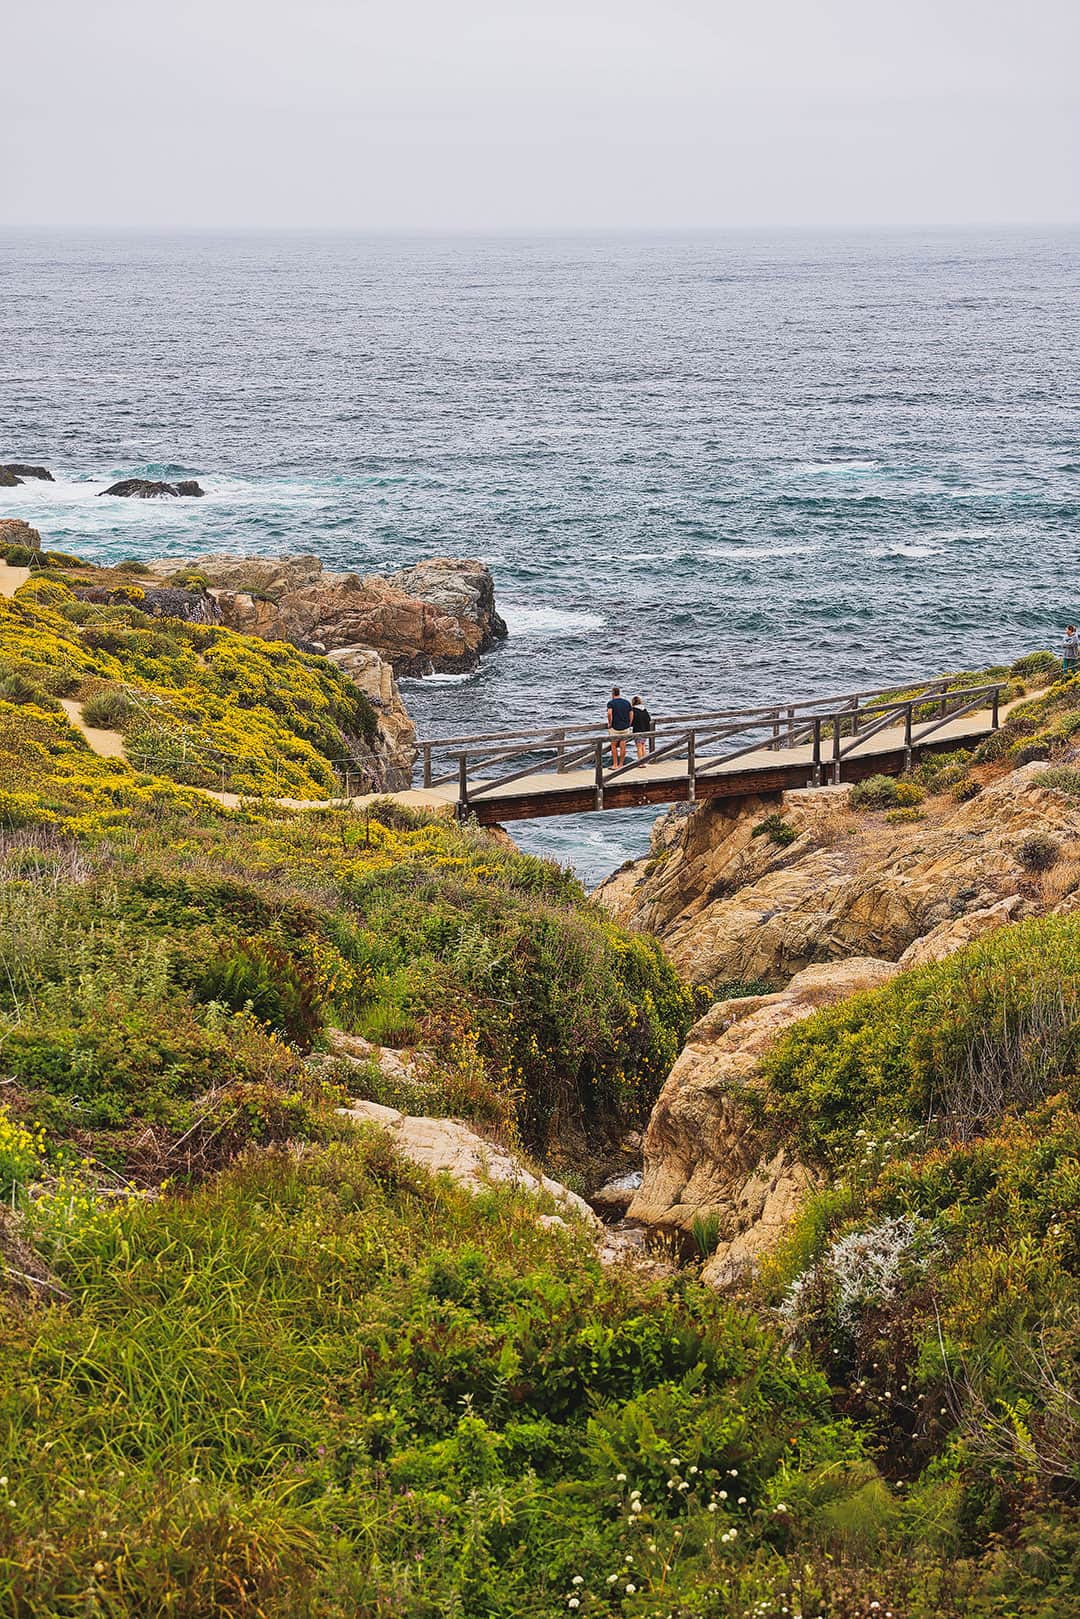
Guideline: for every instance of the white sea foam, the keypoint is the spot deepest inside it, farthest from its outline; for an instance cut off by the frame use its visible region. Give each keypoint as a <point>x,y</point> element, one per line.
<point>438,680</point>
<point>748,553</point>
<point>913,550</point>
<point>835,469</point>
<point>522,620</point>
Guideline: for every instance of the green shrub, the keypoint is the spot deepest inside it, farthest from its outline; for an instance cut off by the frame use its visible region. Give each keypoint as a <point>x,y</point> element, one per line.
<point>1038,851</point>
<point>252,975</point>
<point>1036,663</point>
<point>949,1046</point>
<point>904,817</point>
<point>706,1233</point>
<point>908,794</point>
<point>877,792</point>
<point>108,710</point>
<point>1063,779</point>
<point>17,687</point>
<point>966,790</point>
<point>19,556</point>
<point>776,829</point>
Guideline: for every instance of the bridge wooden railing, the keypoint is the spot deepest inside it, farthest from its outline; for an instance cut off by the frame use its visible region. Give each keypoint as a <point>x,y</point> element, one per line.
<point>833,728</point>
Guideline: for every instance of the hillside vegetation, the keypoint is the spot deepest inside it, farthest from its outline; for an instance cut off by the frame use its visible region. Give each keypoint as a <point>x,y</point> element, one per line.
<point>253,1364</point>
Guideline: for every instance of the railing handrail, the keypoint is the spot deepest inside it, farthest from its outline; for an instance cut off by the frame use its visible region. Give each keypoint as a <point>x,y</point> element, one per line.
<point>919,692</point>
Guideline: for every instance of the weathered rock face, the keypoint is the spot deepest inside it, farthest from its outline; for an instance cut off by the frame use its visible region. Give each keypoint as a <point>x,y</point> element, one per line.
<point>13,472</point>
<point>733,907</point>
<point>13,531</point>
<point>850,903</point>
<point>458,590</point>
<point>395,748</point>
<point>444,630</point>
<point>151,489</point>
<point>702,1152</point>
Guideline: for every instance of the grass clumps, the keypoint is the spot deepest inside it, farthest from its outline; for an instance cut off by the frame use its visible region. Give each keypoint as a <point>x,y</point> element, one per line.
<point>947,1048</point>
<point>883,792</point>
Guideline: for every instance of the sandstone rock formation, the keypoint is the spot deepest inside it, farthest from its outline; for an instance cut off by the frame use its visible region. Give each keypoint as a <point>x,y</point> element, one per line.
<point>152,489</point>
<point>730,906</point>
<point>851,902</point>
<point>14,472</point>
<point>13,531</point>
<point>395,749</point>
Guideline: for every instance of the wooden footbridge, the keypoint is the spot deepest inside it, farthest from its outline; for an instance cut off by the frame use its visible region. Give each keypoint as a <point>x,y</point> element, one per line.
<point>687,758</point>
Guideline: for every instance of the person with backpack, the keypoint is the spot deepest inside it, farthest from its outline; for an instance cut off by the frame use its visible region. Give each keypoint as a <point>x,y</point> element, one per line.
<point>619,718</point>
<point>1070,652</point>
<point>641,724</point>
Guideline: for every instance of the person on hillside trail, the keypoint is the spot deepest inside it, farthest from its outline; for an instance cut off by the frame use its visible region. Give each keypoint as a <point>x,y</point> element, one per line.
<point>1070,657</point>
<point>641,724</point>
<point>619,718</point>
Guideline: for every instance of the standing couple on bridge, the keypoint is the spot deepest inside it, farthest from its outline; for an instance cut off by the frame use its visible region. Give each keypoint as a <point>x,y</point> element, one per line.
<point>624,719</point>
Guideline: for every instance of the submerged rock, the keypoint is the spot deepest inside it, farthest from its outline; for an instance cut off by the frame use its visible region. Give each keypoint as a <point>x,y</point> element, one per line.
<point>151,489</point>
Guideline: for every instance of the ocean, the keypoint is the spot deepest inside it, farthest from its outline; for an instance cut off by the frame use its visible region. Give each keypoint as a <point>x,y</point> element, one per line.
<point>717,468</point>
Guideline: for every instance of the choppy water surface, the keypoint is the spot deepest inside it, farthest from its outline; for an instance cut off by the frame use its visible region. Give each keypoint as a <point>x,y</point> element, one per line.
<point>716,468</point>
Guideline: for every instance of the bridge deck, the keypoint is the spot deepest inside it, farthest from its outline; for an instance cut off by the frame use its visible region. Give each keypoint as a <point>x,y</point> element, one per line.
<point>766,770</point>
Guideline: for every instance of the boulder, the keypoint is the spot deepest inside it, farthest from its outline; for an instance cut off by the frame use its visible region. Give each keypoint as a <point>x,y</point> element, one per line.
<point>437,617</point>
<point>703,1153</point>
<point>151,489</point>
<point>13,531</point>
<point>14,472</point>
<point>449,1147</point>
<point>458,589</point>
<point>8,479</point>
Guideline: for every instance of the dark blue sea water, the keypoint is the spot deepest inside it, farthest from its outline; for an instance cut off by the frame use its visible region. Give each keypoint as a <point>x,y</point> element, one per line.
<point>716,467</point>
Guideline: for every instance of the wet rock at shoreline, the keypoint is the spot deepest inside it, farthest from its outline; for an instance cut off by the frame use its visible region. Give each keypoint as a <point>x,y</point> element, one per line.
<point>16,472</point>
<point>457,589</point>
<point>152,489</point>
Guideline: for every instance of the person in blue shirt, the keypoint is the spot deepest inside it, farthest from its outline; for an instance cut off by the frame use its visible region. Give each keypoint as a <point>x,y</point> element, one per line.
<point>619,724</point>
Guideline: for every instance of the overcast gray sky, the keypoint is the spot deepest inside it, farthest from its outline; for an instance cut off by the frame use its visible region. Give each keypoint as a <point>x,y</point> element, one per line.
<point>514,113</point>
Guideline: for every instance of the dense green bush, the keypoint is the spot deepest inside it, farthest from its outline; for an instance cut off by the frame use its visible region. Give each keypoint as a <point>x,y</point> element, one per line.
<point>252,975</point>
<point>1036,663</point>
<point>948,1047</point>
<point>776,829</point>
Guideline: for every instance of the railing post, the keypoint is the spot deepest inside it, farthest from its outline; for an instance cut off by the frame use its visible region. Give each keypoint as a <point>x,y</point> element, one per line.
<point>944,707</point>
<point>855,715</point>
<point>908,712</point>
<point>791,727</point>
<point>836,750</point>
<point>598,768</point>
<point>652,741</point>
<point>560,737</point>
<point>691,767</point>
<point>817,750</point>
<point>997,698</point>
<point>776,730</point>
<point>427,764</point>
<point>463,784</point>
